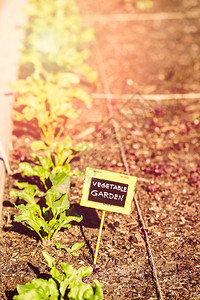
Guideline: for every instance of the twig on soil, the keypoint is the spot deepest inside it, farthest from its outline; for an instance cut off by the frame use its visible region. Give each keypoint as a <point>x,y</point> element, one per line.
<point>153,97</point>
<point>5,159</point>
<point>129,224</point>
<point>151,259</point>
<point>162,16</point>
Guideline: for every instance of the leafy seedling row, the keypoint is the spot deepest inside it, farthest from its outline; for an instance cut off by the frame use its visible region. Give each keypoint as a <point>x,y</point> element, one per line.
<point>53,70</point>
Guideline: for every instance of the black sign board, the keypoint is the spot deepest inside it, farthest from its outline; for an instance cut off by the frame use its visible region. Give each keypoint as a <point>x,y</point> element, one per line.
<point>108,191</point>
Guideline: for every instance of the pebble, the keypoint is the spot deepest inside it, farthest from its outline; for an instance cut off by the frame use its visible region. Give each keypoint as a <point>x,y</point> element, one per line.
<point>120,164</point>
<point>129,81</point>
<point>131,251</point>
<point>113,162</point>
<point>152,220</point>
<point>169,234</point>
<point>182,220</point>
<point>27,140</point>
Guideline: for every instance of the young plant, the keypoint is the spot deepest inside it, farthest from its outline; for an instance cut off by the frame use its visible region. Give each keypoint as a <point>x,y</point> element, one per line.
<point>67,285</point>
<point>48,99</point>
<point>71,250</point>
<point>60,152</point>
<point>52,163</point>
<point>46,221</point>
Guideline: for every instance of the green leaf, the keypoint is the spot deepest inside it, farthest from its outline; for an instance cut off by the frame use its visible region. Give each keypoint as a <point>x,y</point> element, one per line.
<point>75,254</point>
<point>76,173</point>
<point>59,246</point>
<point>57,178</point>
<point>46,162</point>
<point>67,226</point>
<point>85,291</point>
<point>85,271</point>
<point>64,285</point>
<point>27,194</point>
<point>22,185</point>
<point>74,289</point>
<point>31,220</point>
<point>38,289</point>
<point>31,295</point>
<point>98,290</point>
<point>76,246</point>
<point>26,169</point>
<point>53,289</point>
<point>67,143</point>
<point>144,4</point>
<point>82,95</point>
<point>68,269</point>
<point>87,35</point>
<point>32,208</point>
<point>38,145</point>
<point>52,195</point>
<point>61,205</point>
<point>56,274</point>
<point>66,79</point>
<point>50,260</point>
<point>83,146</point>
<point>68,219</point>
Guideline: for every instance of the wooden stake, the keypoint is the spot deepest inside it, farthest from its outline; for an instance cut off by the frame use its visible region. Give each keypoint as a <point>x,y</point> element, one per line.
<point>99,237</point>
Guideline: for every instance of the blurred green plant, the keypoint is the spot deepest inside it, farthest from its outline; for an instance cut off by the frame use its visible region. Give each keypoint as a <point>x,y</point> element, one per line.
<point>56,37</point>
<point>53,65</point>
<point>48,100</point>
<point>141,4</point>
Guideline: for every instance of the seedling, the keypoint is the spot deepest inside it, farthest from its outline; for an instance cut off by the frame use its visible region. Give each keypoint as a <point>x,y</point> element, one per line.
<point>71,250</point>
<point>65,285</point>
<point>48,220</point>
<point>47,99</point>
<point>52,163</point>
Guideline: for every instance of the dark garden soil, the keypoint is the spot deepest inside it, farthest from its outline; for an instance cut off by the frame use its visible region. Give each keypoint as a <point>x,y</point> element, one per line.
<point>161,144</point>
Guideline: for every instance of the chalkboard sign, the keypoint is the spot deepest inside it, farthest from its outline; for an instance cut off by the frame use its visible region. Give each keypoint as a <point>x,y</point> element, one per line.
<point>108,191</point>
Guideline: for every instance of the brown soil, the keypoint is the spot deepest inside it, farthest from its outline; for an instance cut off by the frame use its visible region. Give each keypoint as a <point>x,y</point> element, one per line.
<point>161,144</point>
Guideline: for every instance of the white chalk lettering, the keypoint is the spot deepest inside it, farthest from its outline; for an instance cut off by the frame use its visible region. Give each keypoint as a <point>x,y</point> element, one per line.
<point>94,193</point>
<point>121,197</point>
<point>111,186</point>
<point>107,195</point>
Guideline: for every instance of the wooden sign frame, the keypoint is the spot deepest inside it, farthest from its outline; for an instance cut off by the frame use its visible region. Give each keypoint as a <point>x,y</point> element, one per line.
<point>108,191</point>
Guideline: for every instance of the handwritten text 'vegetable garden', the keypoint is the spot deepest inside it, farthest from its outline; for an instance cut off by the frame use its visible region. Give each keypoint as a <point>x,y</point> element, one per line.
<point>108,187</point>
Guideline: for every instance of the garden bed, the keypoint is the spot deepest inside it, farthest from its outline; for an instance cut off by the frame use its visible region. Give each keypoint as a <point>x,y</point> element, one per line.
<point>161,143</point>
